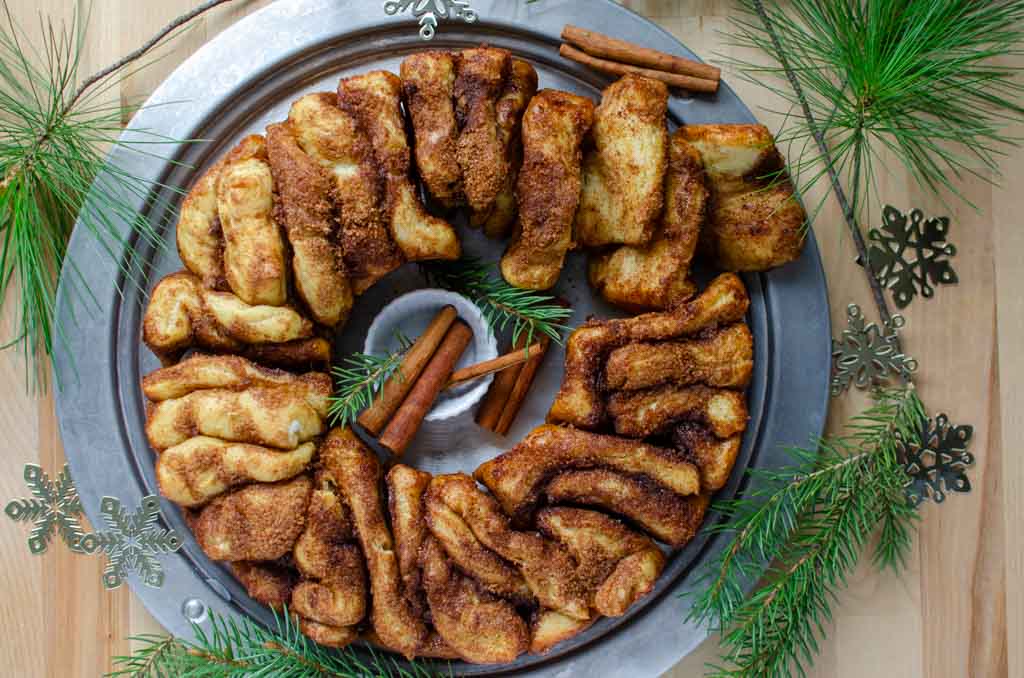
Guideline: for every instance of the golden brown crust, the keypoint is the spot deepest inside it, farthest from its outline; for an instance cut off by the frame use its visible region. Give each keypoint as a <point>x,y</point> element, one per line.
<point>332,137</point>
<point>306,211</point>
<point>657,276</point>
<point>211,371</point>
<point>328,636</point>
<point>481,75</point>
<point>550,627</point>
<point>254,262</point>
<point>480,627</point>
<point>517,477</point>
<point>406,487</point>
<point>266,583</point>
<point>667,516</point>
<point>639,414</point>
<point>356,473</point>
<point>257,522</point>
<point>520,87</point>
<point>548,188</point>
<point>618,565</point>
<point>198,232</point>
<point>623,175</point>
<point>714,457</point>
<point>277,416</point>
<point>428,89</point>
<point>723,358</point>
<point>546,566</point>
<point>301,354</point>
<point>374,100</point>
<point>579,400</point>
<point>756,222</point>
<point>201,468</point>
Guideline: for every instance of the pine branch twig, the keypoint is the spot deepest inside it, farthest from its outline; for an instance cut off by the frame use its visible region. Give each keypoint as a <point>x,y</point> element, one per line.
<point>358,380</point>
<point>811,520</point>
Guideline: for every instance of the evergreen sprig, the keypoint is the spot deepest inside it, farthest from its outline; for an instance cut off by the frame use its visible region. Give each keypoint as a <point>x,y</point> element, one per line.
<point>501,304</point>
<point>56,129</point>
<point>811,520</point>
<point>235,648</point>
<point>359,379</point>
<point>927,80</point>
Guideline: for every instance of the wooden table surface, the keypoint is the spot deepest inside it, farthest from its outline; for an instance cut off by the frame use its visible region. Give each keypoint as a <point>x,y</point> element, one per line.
<point>950,615</point>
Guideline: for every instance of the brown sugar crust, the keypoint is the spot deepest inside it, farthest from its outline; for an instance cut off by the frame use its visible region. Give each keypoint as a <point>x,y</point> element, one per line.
<point>546,566</point>
<point>305,209</point>
<point>667,516</point>
<point>715,457</point>
<point>481,76</point>
<point>623,175</point>
<point>374,101</point>
<point>256,522</point>
<point>548,188</point>
<point>656,276</point>
<point>723,358</point>
<point>516,478</point>
<point>579,401</point>
<point>639,414</point>
<point>480,627</point>
<point>428,90</point>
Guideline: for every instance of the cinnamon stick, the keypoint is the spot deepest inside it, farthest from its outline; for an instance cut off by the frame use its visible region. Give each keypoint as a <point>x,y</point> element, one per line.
<point>375,417</point>
<point>407,420</point>
<point>687,82</point>
<point>499,364</point>
<point>522,386</point>
<point>501,388</point>
<point>599,45</point>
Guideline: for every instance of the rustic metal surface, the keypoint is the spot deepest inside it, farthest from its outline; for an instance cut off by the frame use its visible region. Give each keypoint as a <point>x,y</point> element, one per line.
<point>245,78</point>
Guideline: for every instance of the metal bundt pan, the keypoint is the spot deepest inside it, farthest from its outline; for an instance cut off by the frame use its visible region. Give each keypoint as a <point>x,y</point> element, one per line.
<point>245,78</point>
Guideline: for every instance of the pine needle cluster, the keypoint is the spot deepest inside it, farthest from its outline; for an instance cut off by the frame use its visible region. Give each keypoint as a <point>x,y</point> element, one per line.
<point>811,521</point>
<point>501,304</point>
<point>359,379</point>
<point>926,81</point>
<point>233,649</point>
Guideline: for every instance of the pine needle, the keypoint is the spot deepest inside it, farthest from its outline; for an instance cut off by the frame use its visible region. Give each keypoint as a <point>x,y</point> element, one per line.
<point>235,648</point>
<point>925,80</point>
<point>501,304</point>
<point>359,379</point>
<point>811,520</point>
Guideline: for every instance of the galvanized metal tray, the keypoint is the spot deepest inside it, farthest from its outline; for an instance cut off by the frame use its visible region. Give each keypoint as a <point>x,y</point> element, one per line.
<point>245,78</point>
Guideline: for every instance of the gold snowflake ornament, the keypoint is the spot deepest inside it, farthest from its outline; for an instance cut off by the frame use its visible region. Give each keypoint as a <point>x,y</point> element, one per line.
<point>867,355</point>
<point>54,509</point>
<point>429,12</point>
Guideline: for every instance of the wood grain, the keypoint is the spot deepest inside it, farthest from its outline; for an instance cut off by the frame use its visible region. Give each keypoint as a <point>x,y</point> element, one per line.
<point>953,612</point>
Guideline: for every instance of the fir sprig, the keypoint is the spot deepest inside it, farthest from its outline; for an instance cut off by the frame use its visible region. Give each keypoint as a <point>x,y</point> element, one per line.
<point>811,520</point>
<point>501,304</point>
<point>244,648</point>
<point>926,80</point>
<point>359,379</point>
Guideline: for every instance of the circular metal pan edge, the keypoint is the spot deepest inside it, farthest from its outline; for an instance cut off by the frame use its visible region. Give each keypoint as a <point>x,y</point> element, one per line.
<point>93,364</point>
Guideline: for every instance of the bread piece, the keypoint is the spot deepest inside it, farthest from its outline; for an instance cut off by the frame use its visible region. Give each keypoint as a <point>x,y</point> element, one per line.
<point>714,457</point>
<point>267,583</point>
<point>374,100</point>
<point>656,276</point>
<point>548,188</point>
<point>254,262</point>
<point>723,358</point>
<point>579,401</point>
<point>201,468</point>
<point>756,222</point>
<point>624,174</point>
<point>306,210</point>
<point>517,477</point>
<point>257,522</point>
<point>428,90</point>
<point>638,414</point>
<point>199,372</point>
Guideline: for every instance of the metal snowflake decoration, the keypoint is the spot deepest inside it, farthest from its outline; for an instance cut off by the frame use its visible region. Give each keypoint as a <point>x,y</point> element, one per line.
<point>867,355</point>
<point>936,460</point>
<point>54,509</point>
<point>889,257</point>
<point>429,11</point>
<point>132,543</point>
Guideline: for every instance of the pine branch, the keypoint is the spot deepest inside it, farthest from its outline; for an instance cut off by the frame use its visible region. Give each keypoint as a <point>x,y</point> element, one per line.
<point>54,141</point>
<point>919,79</point>
<point>501,304</point>
<point>812,520</point>
<point>359,379</point>
<point>242,648</point>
